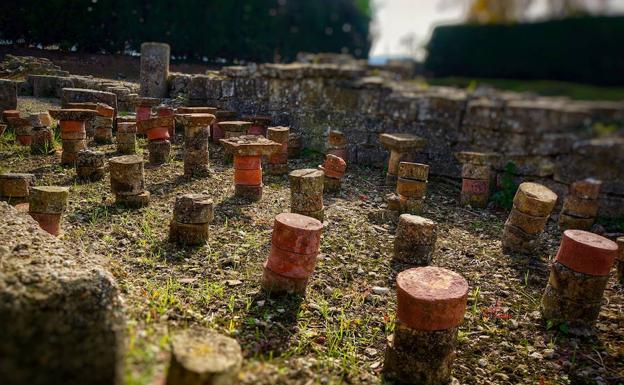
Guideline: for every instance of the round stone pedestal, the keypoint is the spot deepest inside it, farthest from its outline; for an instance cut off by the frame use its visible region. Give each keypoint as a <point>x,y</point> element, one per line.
<point>306,192</point>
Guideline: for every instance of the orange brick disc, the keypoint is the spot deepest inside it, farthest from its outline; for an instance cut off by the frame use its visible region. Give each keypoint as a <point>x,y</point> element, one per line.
<point>73,126</point>
<point>342,153</point>
<point>247,162</point>
<point>48,222</point>
<point>105,110</point>
<point>289,264</point>
<point>158,133</point>
<point>297,233</point>
<point>586,252</point>
<point>431,298</point>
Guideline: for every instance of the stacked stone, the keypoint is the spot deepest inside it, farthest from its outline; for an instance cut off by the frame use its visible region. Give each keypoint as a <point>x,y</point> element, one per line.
<point>476,177</point>
<point>295,243</point>
<point>234,128</point>
<point>22,129</point>
<point>203,357</point>
<point>157,131</point>
<point>620,260</point>
<point>126,138</point>
<point>166,111</point>
<point>532,206</point>
<point>42,140</point>
<point>259,124</point>
<point>580,207</point>
<point>248,151</point>
<point>90,165</point>
<point>415,240</point>
<point>195,110</point>
<point>191,215</point>
<point>196,135</point>
<point>128,181</point>
<point>334,168</point>
<point>278,162</point>
<point>46,204</point>
<point>306,192</point>
<point>103,123</point>
<point>90,122</point>
<point>15,187</point>
<point>73,131</point>
<point>402,147</point>
<point>144,106</point>
<point>337,144</point>
<point>431,302</point>
<point>412,187</point>
<point>221,116</point>
<point>578,277</point>
<point>294,145</point>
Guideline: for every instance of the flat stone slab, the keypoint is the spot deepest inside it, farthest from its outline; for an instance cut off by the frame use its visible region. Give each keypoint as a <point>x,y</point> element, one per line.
<point>478,158</point>
<point>188,120</point>
<point>402,141</point>
<point>147,102</point>
<point>60,310</point>
<point>73,114</point>
<point>250,145</point>
<point>235,126</point>
<point>258,119</point>
<point>155,122</point>
<point>196,110</point>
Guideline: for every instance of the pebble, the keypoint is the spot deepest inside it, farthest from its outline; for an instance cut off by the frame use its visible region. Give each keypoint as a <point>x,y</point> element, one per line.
<point>482,362</point>
<point>536,355</point>
<point>381,290</point>
<point>549,354</point>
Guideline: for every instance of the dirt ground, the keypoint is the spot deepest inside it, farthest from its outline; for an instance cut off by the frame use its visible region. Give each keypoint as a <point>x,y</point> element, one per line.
<point>338,332</point>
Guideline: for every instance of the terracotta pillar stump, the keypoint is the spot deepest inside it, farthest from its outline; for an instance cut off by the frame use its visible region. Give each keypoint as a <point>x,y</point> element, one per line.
<point>196,136</point>
<point>532,206</point>
<point>221,116</point>
<point>337,144</point>
<point>90,165</point>
<point>248,151</point>
<point>578,277</point>
<point>580,207</point>
<point>306,192</point>
<point>476,177</point>
<point>166,111</point>
<point>278,162</point>
<point>334,168</point>
<point>415,240</point>
<point>401,147</point>
<point>128,181</point>
<point>73,131</point>
<point>46,204</point>
<point>143,107</point>
<point>203,357</point>
<point>431,303</point>
<point>259,124</point>
<point>295,243</point>
<point>412,187</point>
<point>15,187</point>
<point>126,138</point>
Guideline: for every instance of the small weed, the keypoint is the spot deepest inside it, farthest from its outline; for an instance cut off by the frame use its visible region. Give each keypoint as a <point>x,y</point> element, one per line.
<point>504,196</point>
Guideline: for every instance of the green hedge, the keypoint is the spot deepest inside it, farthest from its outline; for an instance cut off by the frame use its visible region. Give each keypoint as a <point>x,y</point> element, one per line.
<point>589,50</point>
<point>252,30</point>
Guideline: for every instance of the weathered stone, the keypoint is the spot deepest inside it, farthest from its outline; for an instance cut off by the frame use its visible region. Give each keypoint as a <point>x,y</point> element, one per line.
<point>127,174</point>
<point>516,240</point>
<point>308,181</point>
<point>415,239</point>
<point>159,151</point>
<point>250,145</point>
<point>534,199</point>
<point>16,185</point>
<point>413,171</point>
<point>8,95</point>
<point>60,309</point>
<point>72,114</point>
<point>42,141</point>
<point>154,69</point>
<point>133,201</point>
<point>331,185</point>
<point>567,222</point>
<point>193,209</point>
<point>79,95</point>
<point>528,223</point>
<point>411,188</point>
<point>48,199</point>
<point>191,234</point>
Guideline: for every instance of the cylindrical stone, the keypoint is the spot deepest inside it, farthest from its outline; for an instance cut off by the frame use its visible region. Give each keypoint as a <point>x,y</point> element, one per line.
<point>415,240</point>
<point>51,223</point>
<point>431,303</point>
<point>48,199</point>
<point>217,131</point>
<point>191,234</point>
<point>154,69</point>
<point>534,199</point>
<point>127,174</point>
<point>71,149</point>
<point>578,277</point>
<point>580,207</point>
<point>259,124</point>
<point>475,171</point>
<point>126,138</point>
<point>568,222</point>
<point>42,142</point>
<point>203,357</point>
<point>334,166</point>
<point>331,185</point>
<point>159,151</point>
<point>306,192</point>
<point>413,171</point>
<point>133,201</point>
<point>586,189</point>
<point>90,165</point>
<point>516,240</point>
<point>196,156</point>
<point>475,192</point>
<point>193,209</point>
<point>248,177</point>
<point>527,223</point>
<point>410,188</point>
<point>409,205</point>
<point>278,162</point>
<point>294,145</point>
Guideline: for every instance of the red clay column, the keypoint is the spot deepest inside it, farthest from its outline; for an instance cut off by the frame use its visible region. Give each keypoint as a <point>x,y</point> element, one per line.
<point>217,131</point>
<point>476,177</point>
<point>46,205</point>
<point>306,192</point>
<point>295,244</point>
<point>578,277</point>
<point>532,206</point>
<point>73,131</point>
<point>157,131</point>
<point>191,215</point>
<point>400,146</point>
<point>412,186</point>
<point>248,151</point>
<point>431,302</point>
<point>334,168</point>
<point>278,162</point>
<point>196,136</point>
<point>15,187</point>
<point>104,124</point>
<point>127,179</point>
<point>580,207</point>
<point>337,144</point>
<point>126,138</point>
<point>144,106</point>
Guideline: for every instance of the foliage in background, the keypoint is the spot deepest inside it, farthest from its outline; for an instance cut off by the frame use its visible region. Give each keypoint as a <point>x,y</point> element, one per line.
<point>586,49</point>
<point>252,30</point>
<point>505,195</point>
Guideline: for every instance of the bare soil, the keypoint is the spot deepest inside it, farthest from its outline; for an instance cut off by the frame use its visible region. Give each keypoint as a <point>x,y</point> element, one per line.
<point>338,332</point>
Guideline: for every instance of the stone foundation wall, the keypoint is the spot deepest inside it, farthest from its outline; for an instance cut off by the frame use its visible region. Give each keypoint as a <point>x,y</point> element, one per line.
<point>550,140</point>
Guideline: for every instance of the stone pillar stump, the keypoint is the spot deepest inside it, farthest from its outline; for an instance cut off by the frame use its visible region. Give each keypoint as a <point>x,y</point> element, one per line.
<point>46,204</point>
<point>154,69</point>
<point>15,187</point>
<point>278,162</point>
<point>73,131</point>
<point>334,168</point>
<point>476,177</point>
<point>402,147</point>
<point>196,136</point>
<point>306,192</point>
<point>90,165</point>
<point>126,138</point>
<point>127,179</point>
<point>580,207</point>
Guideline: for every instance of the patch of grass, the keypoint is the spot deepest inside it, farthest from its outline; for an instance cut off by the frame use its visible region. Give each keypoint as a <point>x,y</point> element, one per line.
<point>504,196</point>
<point>576,91</point>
